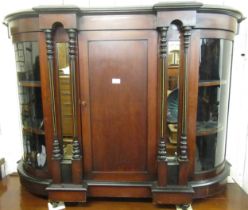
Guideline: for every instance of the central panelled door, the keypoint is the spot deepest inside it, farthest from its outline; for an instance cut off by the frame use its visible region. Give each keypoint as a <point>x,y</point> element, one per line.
<point>118,87</point>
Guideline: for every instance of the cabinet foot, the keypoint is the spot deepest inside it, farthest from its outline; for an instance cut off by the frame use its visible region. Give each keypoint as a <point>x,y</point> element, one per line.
<point>67,192</point>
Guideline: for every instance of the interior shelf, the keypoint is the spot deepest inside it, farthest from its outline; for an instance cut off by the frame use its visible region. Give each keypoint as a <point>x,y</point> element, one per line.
<point>207,128</point>
<point>209,131</point>
<point>30,83</point>
<point>203,129</point>
<point>34,130</point>
<point>209,83</point>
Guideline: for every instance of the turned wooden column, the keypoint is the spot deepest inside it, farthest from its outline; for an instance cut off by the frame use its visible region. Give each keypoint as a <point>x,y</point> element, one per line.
<point>76,153</point>
<point>56,151</point>
<point>162,153</point>
<point>183,144</point>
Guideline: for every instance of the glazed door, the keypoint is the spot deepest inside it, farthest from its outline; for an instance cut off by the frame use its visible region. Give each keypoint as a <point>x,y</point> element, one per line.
<point>118,74</point>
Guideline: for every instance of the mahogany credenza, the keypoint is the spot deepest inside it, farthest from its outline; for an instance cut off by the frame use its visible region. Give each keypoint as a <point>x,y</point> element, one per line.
<point>124,102</point>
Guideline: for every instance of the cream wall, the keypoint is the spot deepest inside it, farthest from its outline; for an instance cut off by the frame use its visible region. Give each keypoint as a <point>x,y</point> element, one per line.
<point>10,131</point>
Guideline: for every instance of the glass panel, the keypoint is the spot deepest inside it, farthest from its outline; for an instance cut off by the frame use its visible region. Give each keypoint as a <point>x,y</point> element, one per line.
<point>214,75</point>
<point>28,73</point>
<point>65,98</point>
<point>173,85</point>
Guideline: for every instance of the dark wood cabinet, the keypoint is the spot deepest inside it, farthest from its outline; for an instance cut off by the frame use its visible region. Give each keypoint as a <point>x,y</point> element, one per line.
<point>124,102</point>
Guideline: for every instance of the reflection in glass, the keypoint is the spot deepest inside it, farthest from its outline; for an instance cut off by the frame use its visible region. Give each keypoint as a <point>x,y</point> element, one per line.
<point>173,64</point>
<point>173,56</point>
<point>65,98</point>
<point>213,94</point>
<point>173,85</point>
<point>29,88</point>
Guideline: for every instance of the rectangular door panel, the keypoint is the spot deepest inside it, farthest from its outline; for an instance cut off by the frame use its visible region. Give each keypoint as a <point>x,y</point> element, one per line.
<point>118,99</point>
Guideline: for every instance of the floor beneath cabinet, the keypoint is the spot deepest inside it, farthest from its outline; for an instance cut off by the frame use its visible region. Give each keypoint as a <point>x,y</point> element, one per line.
<point>13,196</point>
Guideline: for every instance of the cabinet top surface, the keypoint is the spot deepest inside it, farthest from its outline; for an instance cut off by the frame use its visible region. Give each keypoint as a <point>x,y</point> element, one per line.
<point>164,6</point>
